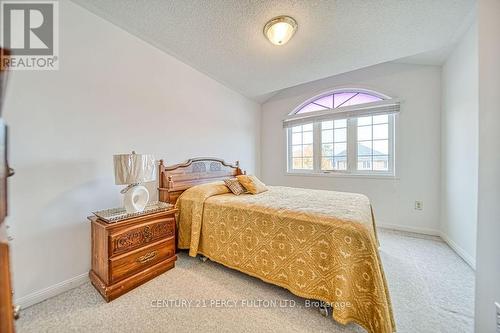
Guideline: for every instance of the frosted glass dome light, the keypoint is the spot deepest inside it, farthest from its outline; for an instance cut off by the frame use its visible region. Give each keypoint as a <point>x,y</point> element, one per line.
<point>280,30</point>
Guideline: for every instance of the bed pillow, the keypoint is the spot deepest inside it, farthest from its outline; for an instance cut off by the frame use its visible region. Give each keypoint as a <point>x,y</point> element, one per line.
<point>235,186</point>
<point>252,184</point>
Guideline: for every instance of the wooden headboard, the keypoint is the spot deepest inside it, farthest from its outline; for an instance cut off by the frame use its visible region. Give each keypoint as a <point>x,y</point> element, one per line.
<point>175,179</point>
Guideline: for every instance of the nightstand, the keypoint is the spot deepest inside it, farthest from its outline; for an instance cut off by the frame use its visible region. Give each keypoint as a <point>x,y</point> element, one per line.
<point>127,253</point>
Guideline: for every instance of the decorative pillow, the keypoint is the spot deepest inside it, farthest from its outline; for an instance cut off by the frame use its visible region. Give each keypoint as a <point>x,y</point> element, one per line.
<point>235,186</point>
<point>252,184</point>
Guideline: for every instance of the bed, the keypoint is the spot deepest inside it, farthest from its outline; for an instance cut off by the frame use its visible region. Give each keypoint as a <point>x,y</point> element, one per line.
<point>319,245</point>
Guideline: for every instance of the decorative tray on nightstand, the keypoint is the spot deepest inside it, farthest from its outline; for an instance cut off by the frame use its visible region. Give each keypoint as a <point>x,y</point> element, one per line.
<point>119,214</point>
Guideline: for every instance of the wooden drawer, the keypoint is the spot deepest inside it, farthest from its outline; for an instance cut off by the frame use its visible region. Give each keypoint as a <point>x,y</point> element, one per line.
<point>131,238</point>
<point>129,264</point>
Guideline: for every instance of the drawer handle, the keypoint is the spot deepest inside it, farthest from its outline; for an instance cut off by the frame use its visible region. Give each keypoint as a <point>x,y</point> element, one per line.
<point>16,311</point>
<point>147,257</point>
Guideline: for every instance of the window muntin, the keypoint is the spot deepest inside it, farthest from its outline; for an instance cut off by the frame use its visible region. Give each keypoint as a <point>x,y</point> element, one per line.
<point>334,144</point>
<point>373,143</point>
<point>302,147</point>
<point>357,145</point>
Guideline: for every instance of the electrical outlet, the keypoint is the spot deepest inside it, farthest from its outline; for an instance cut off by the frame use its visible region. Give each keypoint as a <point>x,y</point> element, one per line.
<point>497,305</point>
<point>419,205</point>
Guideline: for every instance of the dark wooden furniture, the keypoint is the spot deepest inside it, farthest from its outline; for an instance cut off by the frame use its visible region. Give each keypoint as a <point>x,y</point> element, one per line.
<point>128,253</point>
<point>175,179</point>
<point>6,309</point>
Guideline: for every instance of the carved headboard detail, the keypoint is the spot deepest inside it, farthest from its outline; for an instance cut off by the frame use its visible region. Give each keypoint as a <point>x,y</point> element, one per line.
<point>175,179</point>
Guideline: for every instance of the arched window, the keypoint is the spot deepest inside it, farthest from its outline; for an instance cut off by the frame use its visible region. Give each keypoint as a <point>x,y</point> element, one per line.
<point>346,131</point>
<point>337,100</point>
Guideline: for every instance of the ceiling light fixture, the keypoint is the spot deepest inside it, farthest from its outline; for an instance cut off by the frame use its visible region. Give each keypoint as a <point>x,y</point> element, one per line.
<point>280,29</point>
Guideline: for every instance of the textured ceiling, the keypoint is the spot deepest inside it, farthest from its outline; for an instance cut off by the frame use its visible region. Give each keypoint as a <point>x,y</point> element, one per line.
<point>224,39</point>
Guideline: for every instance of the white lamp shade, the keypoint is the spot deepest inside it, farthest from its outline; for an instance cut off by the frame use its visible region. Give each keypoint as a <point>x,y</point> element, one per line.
<point>134,168</point>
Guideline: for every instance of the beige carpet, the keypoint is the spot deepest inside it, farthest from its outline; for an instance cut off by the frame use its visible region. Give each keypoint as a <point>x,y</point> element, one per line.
<point>431,290</point>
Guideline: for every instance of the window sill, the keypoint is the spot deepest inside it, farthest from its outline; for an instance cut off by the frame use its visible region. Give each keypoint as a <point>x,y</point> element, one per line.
<point>343,175</point>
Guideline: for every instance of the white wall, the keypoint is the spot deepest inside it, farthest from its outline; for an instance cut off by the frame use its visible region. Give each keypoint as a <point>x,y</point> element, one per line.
<point>417,145</point>
<point>459,146</point>
<point>488,228</point>
<point>113,93</point>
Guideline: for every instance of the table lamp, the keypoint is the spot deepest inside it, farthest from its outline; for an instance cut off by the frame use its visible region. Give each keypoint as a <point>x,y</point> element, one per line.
<point>132,170</point>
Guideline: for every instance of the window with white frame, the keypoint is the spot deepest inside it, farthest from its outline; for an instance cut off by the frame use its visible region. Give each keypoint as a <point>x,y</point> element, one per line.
<point>347,132</point>
<point>302,147</point>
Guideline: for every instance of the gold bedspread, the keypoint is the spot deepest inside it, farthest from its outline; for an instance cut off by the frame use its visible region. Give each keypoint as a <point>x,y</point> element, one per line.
<point>318,244</point>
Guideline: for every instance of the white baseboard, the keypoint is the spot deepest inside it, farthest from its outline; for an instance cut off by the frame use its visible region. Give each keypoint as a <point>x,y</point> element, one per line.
<point>461,252</point>
<point>424,231</point>
<point>54,290</point>
<point>458,250</point>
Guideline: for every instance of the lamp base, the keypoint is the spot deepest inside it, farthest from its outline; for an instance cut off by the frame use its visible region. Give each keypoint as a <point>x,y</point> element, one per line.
<point>135,198</point>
